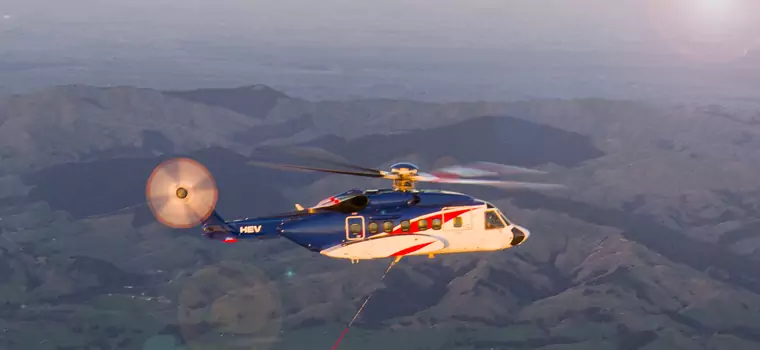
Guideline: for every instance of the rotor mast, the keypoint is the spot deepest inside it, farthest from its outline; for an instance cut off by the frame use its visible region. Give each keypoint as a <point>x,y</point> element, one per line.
<point>403,184</point>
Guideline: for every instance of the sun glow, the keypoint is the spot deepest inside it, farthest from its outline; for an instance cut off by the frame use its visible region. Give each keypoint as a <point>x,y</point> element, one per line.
<point>712,11</point>
<point>713,5</point>
<point>707,30</point>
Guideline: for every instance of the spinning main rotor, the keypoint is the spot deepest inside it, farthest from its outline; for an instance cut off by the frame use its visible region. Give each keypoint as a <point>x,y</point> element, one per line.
<point>404,176</point>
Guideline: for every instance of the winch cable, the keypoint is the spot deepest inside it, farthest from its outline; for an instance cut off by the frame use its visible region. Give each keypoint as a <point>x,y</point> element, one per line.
<point>363,306</point>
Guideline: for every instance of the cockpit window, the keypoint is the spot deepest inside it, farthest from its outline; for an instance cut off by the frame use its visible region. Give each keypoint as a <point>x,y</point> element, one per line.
<point>493,221</point>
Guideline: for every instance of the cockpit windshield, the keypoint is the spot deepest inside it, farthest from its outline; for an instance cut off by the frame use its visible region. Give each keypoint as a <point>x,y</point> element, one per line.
<point>504,218</point>
<point>493,220</point>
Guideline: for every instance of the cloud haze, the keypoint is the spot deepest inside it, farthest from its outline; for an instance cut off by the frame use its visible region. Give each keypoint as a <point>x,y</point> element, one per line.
<point>214,41</point>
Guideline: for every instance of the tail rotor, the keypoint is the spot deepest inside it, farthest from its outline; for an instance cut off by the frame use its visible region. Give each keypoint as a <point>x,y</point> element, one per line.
<point>181,193</point>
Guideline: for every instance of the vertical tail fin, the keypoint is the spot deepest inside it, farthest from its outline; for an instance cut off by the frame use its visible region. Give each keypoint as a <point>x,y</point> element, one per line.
<point>214,227</point>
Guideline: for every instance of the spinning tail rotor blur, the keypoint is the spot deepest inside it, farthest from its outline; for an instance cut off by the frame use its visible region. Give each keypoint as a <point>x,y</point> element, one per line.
<point>181,193</point>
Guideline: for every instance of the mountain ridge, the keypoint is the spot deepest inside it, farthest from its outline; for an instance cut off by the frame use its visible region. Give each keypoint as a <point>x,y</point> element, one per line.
<point>621,260</point>
<point>253,100</point>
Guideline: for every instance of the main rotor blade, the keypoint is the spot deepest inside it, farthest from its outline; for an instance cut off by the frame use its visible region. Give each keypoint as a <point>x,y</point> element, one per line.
<point>306,168</point>
<point>320,155</point>
<point>494,183</point>
<point>481,169</point>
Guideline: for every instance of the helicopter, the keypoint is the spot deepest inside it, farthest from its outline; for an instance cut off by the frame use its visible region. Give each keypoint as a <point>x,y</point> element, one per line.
<point>358,224</point>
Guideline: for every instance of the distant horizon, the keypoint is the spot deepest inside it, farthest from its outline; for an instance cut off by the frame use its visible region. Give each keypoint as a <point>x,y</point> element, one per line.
<point>443,50</point>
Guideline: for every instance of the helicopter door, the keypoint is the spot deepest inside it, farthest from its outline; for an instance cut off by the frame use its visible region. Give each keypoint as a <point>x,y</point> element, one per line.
<point>354,228</point>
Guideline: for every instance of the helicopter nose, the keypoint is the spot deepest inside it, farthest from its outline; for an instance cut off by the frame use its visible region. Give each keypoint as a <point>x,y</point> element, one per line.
<point>519,235</point>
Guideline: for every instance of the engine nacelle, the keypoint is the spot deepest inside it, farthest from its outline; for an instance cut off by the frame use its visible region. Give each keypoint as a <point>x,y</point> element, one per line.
<point>347,202</point>
<point>351,205</point>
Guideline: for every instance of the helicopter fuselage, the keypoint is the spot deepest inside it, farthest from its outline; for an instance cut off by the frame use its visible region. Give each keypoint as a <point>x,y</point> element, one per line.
<point>372,224</point>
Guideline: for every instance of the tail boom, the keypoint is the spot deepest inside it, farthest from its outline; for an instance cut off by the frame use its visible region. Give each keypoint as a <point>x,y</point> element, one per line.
<point>215,227</point>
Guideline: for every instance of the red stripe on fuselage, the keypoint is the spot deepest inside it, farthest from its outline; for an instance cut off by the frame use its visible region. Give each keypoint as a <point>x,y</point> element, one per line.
<point>411,249</point>
<point>448,216</point>
<point>452,214</point>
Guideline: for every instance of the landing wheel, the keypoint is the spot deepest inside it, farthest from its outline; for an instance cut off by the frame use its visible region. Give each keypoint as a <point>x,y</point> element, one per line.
<point>181,193</point>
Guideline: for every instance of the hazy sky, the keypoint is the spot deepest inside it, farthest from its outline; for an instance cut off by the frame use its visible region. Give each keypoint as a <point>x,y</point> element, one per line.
<point>388,22</point>
<point>192,42</point>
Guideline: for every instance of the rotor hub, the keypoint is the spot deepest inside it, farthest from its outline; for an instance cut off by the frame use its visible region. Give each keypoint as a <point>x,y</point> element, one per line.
<point>181,193</point>
<point>404,176</point>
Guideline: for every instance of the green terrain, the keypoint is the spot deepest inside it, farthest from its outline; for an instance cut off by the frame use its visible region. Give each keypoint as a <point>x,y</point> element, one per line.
<point>653,246</point>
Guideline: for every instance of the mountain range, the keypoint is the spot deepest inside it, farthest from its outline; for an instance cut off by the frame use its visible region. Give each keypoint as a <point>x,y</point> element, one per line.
<point>652,246</point>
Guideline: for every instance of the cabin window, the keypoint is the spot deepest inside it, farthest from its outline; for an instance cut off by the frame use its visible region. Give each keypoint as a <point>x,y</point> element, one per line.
<point>458,222</point>
<point>493,221</point>
<point>422,224</point>
<point>356,229</point>
<point>436,224</point>
<point>373,227</point>
<point>388,226</point>
<point>405,225</point>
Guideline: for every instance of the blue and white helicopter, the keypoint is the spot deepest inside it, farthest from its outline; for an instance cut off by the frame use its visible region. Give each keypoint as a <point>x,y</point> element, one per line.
<point>356,224</point>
